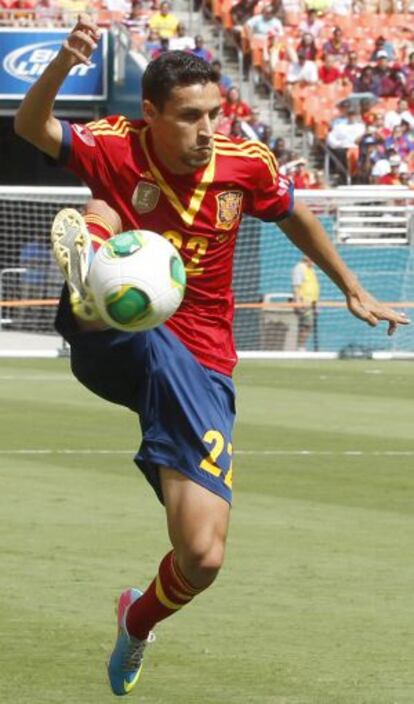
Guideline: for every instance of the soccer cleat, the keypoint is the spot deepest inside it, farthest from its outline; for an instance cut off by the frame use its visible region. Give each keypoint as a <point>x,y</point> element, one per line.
<point>125,664</point>
<point>72,247</point>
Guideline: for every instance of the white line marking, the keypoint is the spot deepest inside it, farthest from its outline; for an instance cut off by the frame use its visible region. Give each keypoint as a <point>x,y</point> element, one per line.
<point>270,453</point>
<point>36,377</point>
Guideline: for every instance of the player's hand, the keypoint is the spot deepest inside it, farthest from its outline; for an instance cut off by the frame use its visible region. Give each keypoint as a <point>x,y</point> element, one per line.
<point>367,308</point>
<point>81,42</point>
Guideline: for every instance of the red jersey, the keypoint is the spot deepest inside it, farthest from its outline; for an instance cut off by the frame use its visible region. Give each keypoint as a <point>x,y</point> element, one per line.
<point>199,213</point>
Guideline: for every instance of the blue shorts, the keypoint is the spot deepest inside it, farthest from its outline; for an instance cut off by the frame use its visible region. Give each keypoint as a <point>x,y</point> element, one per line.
<point>186,411</point>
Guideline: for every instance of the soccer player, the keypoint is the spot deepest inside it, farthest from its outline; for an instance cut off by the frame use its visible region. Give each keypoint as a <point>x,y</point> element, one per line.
<point>170,173</point>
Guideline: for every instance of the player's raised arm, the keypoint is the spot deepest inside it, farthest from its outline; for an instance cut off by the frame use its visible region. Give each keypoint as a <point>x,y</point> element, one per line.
<point>307,233</point>
<point>34,120</point>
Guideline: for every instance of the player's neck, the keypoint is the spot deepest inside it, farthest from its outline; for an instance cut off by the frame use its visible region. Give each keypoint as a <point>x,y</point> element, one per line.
<point>172,165</point>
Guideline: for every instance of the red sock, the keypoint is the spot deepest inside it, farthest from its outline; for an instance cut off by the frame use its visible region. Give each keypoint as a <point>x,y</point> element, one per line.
<point>99,229</point>
<point>168,593</point>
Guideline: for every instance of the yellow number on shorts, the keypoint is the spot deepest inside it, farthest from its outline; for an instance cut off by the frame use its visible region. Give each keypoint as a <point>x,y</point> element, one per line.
<point>209,463</point>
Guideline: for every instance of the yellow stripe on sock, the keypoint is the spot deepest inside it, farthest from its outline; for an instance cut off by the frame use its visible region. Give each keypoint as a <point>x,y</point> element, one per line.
<point>161,596</point>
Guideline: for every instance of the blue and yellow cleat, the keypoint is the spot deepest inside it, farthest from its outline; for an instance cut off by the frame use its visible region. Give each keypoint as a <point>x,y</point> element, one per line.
<point>125,664</point>
<point>72,247</point>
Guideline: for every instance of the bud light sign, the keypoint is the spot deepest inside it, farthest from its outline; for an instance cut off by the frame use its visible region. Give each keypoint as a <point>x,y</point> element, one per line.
<point>25,53</point>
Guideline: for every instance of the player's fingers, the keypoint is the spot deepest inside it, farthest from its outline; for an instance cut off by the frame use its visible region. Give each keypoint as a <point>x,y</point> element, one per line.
<point>81,37</point>
<point>79,55</point>
<point>392,328</point>
<point>364,313</point>
<point>86,24</point>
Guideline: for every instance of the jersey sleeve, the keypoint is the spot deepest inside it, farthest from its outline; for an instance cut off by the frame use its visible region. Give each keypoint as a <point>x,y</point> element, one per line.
<point>271,196</point>
<point>90,152</point>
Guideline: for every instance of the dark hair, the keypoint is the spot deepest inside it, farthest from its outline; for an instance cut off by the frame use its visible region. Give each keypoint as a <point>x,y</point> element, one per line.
<point>171,69</point>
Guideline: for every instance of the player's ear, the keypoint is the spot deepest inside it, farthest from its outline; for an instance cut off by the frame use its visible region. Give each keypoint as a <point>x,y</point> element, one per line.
<point>149,111</point>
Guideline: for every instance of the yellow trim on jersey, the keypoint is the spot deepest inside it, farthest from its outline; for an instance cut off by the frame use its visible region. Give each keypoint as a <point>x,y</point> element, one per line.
<point>120,128</point>
<point>161,596</point>
<point>247,148</point>
<point>252,154</point>
<point>199,192</point>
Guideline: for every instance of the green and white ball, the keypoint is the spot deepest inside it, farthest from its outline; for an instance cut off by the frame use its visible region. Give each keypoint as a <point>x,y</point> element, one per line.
<point>138,280</point>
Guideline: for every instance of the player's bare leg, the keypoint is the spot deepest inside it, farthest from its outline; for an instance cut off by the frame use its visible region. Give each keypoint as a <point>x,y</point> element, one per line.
<point>197,524</point>
<point>75,237</point>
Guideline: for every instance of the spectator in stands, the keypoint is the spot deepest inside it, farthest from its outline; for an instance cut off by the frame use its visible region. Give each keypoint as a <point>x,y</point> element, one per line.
<point>164,46</point>
<point>200,50</point>
<point>367,82</point>
<point>311,24</point>
<point>138,17</point>
<point>352,70</point>
<point>302,71</point>
<point>370,150</point>
<point>318,180</point>
<point>395,117</point>
<point>153,41</point>
<point>234,107</point>
<point>307,46</point>
<point>265,23</point>
<point>382,166</point>
<point>328,71</point>
<point>300,176</point>
<point>305,287</point>
<point>408,71</point>
<point>392,85</point>
<point>225,82</point>
<point>164,21</point>
<point>378,127</point>
<point>392,178</point>
<point>345,136</point>
<point>342,116</point>
<point>400,142</point>
<point>256,128</point>
<point>183,41</point>
<point>282,153</point>
<point>336,46</point>
<point>382,45</point>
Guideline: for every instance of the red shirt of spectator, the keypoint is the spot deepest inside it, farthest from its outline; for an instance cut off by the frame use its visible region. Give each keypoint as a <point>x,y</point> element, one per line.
<point>328,73</point>
<point>391,179</point>
<point>234,107</point>
<point>301,178</point>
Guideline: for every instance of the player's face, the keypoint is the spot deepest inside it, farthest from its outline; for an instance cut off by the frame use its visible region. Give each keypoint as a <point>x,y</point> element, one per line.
<point>183,131</point>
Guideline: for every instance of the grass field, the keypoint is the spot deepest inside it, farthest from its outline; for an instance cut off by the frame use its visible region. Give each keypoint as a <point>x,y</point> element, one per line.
<point>315,604</point>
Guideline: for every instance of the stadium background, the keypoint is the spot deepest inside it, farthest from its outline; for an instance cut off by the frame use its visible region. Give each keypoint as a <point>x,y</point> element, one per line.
<point>315,604</point>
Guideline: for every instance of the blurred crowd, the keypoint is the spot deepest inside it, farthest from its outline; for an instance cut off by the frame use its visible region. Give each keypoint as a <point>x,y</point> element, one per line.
<point>357,63</point>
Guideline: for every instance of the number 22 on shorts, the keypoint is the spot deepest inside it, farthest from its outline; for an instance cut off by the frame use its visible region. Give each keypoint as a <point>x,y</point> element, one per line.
<point>209,463</point>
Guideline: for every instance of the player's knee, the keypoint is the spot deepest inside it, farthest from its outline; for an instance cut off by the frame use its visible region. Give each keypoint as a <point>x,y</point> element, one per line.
<point>205,559</point>
<point>95,206</point>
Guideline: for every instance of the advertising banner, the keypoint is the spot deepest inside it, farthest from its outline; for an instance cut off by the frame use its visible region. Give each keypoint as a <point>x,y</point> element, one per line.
<point>25,53</point>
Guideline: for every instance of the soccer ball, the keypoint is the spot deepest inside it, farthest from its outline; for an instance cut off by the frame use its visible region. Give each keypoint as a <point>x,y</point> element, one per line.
<point>137,279</point>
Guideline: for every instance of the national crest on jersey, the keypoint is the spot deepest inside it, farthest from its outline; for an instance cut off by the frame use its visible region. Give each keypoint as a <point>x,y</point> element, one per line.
<point>145,197</point>
<point>229,209</point>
